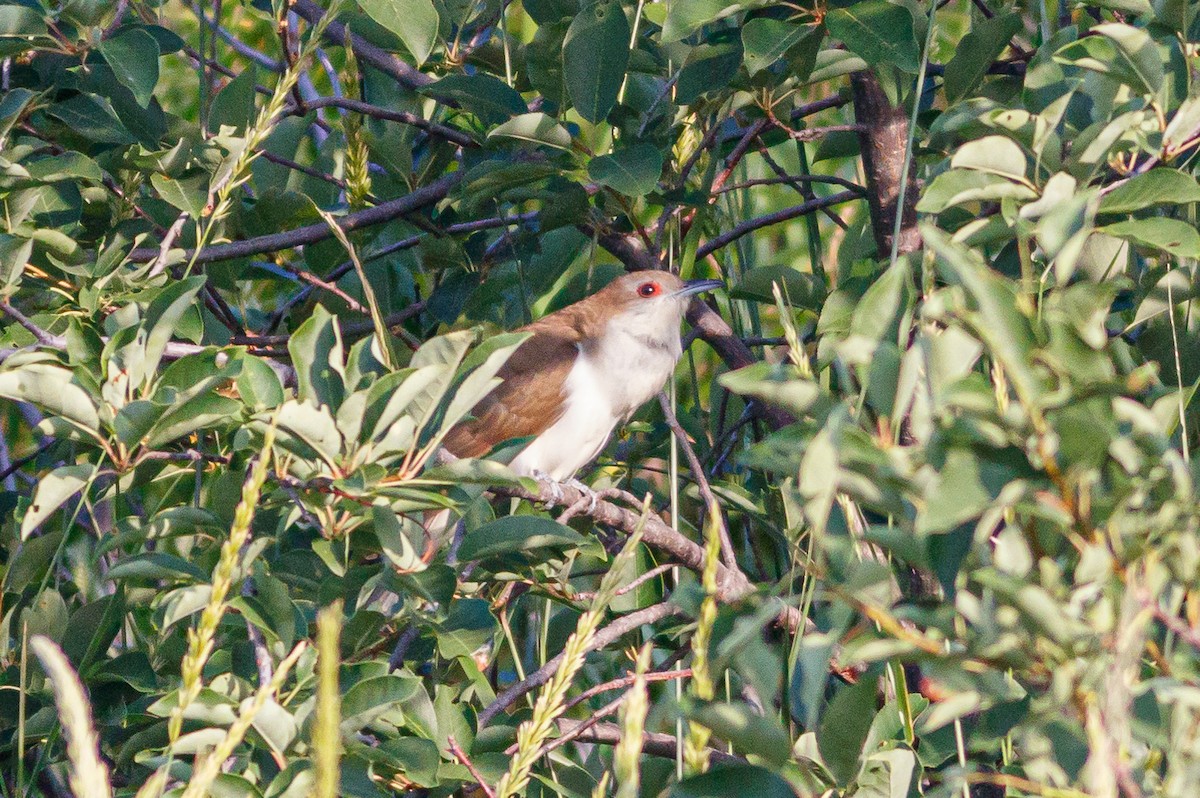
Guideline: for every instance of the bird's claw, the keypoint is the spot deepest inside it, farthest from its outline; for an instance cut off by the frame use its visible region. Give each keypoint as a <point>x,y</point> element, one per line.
<point>592,496</point>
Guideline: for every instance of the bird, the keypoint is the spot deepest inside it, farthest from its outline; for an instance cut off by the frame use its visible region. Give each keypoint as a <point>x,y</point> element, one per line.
<point>582,371</point>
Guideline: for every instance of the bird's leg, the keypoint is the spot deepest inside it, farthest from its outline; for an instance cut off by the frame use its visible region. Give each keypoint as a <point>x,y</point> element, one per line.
<point>552,485</point>
<point>586,491</point>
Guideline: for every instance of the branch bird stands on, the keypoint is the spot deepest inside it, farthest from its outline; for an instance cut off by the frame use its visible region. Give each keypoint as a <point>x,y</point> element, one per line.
<point>583,370</point>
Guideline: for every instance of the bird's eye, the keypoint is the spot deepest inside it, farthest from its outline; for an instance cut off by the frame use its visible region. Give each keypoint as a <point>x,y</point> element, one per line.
<point>648,290</point>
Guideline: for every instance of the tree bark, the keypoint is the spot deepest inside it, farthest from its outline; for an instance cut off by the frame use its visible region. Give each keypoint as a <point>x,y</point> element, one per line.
<point>883,139</point>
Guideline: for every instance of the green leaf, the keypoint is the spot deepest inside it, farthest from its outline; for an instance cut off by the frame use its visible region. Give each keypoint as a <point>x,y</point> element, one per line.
<point>187,194</point>
<point>93,118</point>
<point>315,426</point>
<point>880,32</point>
<point>1122,52</point>
<point>545,12</point>
<point>517,534</point>
<point>833,64</point>
<point>414,21</point>
<point>13,105</point>
<point>46,615</point>
<point>52,491</point>
<point>67,166</point>
<point>844,728</point>
<point>684,19</point>
<point>1157,187</point>
<point>776,384</point>
<point>164,316</point>
<point>370,698</point>
<point>976,53</point>
<point>800,289</point>
<point>996,319</point>
<point>765,40</point>
<point>51,388</point>
<point>748,731</point>
<point>595,54</point>
<point>156,565</point>
<point>133,57</point>
<point>234,104</point>
<point>92,629</point>
<point>998,155</point>
<point>276,725</point>
<point>258,385</point>
<point>709,67</point>
<point>959,186</point>
<point>1170,235</point>
<point>20,29</point>
<point>723,781</point>
<point>490,99</point>
<point>535,127</point>
<point>1183,125</point>
<point>316,350</point>
<point>194,414</point>
<point>632,171</point>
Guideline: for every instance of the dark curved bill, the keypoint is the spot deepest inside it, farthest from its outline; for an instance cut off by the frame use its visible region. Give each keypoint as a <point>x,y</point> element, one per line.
<point>698,287</point>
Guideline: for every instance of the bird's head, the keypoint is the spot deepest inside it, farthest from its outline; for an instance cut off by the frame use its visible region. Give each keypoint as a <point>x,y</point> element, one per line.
<point>650,304</point>
<point>652,299</point>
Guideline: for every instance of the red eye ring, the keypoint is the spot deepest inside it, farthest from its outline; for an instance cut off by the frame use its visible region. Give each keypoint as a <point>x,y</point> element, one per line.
<point>648,290</point>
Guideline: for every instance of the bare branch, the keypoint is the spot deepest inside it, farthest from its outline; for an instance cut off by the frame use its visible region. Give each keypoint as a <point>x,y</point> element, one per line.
<point>604,637</point>
<point>450,134</point>
<point>750,225</point>
<point>365,51</point>
<point>456,751</point>
<point>795,181</point>
<point>710,500</point>
<point>653,743</point>
<point>310,234</point>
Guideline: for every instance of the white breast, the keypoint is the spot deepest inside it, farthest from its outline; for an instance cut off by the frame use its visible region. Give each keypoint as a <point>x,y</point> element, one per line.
<point>604,388</point>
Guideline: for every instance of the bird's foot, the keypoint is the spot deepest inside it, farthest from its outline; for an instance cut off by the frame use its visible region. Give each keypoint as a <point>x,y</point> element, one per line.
<point>587,492</point>
<point>553,486</point>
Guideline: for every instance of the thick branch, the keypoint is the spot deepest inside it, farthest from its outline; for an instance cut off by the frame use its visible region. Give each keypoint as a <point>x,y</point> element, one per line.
<point>884,137</point>
<point>731,584</point>
<point>310,234</point>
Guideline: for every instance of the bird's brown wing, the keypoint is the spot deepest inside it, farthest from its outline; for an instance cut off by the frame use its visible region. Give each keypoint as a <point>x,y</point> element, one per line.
<point>529,400</point>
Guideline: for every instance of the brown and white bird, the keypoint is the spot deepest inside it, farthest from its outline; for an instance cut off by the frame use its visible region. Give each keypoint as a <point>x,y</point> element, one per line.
<point>584,370</point>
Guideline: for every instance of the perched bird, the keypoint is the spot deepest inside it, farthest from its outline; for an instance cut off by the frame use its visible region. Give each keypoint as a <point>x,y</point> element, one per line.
<point>584,370</point>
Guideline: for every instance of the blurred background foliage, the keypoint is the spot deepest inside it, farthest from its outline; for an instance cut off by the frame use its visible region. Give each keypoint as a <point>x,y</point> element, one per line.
<point>258,257</point>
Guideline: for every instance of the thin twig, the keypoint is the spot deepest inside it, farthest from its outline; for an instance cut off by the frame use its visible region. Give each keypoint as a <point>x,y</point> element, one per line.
<point>164,248</point>
<point>311,234</point>
<point>794,181</point>
<point>604,637</point>
<point>766,220</point>
<point>406,243</point>
<point>710,500</point>
<point>43,337</point>
<point>366,52</point>
<point>657,570</point>
<point>461,755</point>
<point>450,134</point>
<point>653,743</point>
<point>627,680</point>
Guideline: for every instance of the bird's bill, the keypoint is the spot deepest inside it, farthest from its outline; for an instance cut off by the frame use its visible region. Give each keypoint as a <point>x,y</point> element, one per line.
<point>698,287</point>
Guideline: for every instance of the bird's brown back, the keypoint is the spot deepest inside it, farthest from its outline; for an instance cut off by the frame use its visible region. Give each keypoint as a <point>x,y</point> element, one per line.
<point>530,398</point>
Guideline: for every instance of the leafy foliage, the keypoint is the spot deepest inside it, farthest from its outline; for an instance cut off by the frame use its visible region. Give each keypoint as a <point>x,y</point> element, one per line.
<point>258,258</point>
